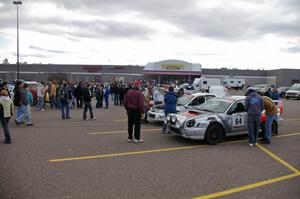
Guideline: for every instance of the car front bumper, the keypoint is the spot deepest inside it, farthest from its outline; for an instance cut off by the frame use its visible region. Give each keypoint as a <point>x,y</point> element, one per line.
<point>189,133</point>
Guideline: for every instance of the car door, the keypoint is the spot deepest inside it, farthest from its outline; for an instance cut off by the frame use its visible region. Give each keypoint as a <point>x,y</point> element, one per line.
<point>238,117</point>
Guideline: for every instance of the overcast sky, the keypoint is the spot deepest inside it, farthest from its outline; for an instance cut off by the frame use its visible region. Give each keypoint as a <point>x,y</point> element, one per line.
<point>255,34</point>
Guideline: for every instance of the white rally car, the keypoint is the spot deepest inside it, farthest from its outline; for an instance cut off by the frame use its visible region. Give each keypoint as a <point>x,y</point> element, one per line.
<point>215,119</point>
<point>184,103</point>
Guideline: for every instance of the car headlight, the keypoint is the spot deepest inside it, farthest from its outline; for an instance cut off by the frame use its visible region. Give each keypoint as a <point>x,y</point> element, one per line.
<point>169,117</point>
<point>191,123</point>
<point>173,118</point>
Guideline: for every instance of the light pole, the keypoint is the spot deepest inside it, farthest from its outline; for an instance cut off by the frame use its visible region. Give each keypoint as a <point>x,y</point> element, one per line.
<point>18,64</point>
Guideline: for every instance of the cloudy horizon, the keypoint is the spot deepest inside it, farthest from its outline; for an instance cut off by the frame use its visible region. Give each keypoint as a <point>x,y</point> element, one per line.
<point>258,34</point>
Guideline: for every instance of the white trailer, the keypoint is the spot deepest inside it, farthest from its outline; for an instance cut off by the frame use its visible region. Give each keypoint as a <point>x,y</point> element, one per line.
<point>204,83</point>
<point>235,83</point>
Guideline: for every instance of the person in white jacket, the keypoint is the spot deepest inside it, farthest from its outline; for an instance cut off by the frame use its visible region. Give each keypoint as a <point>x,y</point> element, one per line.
<point>41,96</point>
<point>6,107</point>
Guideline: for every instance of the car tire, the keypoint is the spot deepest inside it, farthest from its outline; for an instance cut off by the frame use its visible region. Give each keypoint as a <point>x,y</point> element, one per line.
<point>287,97</point>
<point>214,134</point>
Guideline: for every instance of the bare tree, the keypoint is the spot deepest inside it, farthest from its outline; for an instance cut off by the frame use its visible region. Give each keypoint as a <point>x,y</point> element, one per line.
<point>5,61</point>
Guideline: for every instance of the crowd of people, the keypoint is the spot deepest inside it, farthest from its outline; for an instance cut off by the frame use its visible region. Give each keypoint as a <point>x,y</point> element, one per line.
<point>134,96</point>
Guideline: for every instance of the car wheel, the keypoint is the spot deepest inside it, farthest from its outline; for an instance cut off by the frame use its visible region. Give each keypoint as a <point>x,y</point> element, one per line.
<point>214,134</point>
<point>287,97</point>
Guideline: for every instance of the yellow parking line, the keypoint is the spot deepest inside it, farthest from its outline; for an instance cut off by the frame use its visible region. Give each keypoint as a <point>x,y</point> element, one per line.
<point>278,159</point>
<point>247,187</point>
<point>140,152</point>
<point>115,132</point>
<point>124,154</point>
<point>286,135</point>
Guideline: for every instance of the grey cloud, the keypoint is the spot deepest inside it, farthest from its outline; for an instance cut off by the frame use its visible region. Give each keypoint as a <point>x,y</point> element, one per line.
<point>294,49</point>
<point>223,22</point>
<point>47,50</point>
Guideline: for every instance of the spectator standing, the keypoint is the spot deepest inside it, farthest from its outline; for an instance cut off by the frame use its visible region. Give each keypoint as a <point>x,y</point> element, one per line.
<point>53,102</point>
<point>99,96</point>
<point>87,99</point>
<point>106,95</point>
<point>275,94</point>
<point>17,98</point>
<point>170,105</point>
<point>72,95</point>
<point>116,94</point>
<point>79,95</point>
<point>30,102</point>
<point>122,93</point>
<point>271,115</point>
<point>24,102</point>
<point>254,108</point>
<point>6,108</point>
<point>134,105</point>
<point>64,101</point>
<point>147,99</point>
<point>41,96</point>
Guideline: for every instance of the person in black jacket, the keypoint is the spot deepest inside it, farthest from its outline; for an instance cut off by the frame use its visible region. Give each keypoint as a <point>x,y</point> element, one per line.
<point>79,95</point>
<point>87,98</point>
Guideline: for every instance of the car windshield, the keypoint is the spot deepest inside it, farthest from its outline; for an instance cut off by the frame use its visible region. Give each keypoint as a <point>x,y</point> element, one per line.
<point>295,88</point>
<point>215,105</point>
<point>184,100</point>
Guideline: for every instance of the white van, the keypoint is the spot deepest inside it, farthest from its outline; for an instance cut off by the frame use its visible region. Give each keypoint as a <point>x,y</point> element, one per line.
<point>204,83</point>
<point>234,83</point>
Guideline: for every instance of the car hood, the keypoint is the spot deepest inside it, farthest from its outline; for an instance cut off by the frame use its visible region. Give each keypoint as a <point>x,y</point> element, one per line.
<point>189,114</point>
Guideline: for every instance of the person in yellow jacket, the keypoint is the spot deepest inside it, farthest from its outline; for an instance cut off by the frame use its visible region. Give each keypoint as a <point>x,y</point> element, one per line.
<point>6,107</point>
<point>271,115</point>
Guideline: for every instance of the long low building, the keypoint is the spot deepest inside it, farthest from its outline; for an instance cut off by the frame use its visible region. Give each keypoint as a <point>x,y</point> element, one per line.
<point>167,70</point>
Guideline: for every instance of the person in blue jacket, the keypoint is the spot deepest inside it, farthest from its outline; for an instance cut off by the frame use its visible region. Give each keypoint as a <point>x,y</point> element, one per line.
<point>106,95</point>
<point>170,100</point>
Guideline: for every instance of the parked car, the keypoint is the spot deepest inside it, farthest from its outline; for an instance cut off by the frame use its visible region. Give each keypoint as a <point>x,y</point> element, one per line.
<point>215,119</point>
<point>293,92</point>
<point>156,113</point>
<point>262,87</point>
<point>281,91</point>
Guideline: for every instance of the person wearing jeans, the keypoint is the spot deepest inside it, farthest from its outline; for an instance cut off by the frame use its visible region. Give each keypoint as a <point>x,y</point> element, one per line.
<point>170,105</point>
<point>41,97</point>
<point>271,115</point>
<point>6,108</point>
<point>254,108</point>
<point>64,102</point>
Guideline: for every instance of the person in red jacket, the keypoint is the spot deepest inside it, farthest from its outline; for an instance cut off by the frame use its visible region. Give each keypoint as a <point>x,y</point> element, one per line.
<point>134,105</point>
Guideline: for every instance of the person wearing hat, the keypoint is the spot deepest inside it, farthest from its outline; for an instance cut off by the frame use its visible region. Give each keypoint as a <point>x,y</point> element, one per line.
<point>170,100</point>
<point>254,107</point>
<point>6,108</point>
<point>134,105</point>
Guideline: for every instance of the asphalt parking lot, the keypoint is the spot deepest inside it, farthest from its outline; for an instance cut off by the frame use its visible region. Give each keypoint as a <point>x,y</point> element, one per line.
<point>92,159</point>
